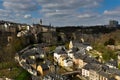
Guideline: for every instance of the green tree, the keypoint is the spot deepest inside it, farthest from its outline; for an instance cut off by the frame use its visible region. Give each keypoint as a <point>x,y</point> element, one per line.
<point>119,66</point>
<point>108,54</point>
<point>111,41</point>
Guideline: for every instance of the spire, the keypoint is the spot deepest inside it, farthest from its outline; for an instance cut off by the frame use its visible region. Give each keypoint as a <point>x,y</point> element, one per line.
<point>82,40</point>
<point>70,45</point>
<point>40,21</point>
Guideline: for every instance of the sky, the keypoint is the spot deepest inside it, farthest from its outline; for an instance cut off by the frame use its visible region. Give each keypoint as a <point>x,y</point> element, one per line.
<point>61,12</point>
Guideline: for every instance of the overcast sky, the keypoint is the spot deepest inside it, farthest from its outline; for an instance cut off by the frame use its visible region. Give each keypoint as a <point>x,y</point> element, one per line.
<point>60,12</point>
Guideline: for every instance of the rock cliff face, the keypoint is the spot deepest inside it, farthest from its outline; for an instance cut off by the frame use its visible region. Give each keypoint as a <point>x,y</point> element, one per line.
<point>89,34</point>
<point>65,34</point>
<point>53,35</point>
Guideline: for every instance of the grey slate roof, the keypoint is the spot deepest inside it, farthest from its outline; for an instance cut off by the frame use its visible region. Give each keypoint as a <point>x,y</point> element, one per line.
<point>75,49</point>
<point>92,66</point>
<point>44,66</point>
<point>102,73</point>
<point>113,63</point>
<point>85,57</point>
<point>54,76</point>
<point>33,52</point>
<point>30,61</point>
<point>113,71</point>
<point>60,50</point>
<point>102,70</point>
<point>80,45</point>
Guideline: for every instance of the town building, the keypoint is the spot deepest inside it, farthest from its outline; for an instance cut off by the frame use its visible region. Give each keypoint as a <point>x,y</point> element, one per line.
<point>113,23</point>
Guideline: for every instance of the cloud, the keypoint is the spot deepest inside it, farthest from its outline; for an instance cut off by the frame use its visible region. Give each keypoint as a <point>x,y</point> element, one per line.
<point>18,5</point>
<point>85,16</point>
<point>61,12</point>
<point>73,5</point>
<point>4,12</point>
<point>18,10</point>
<point>67,12</point>
<point>27,16</point>
<point>113,12</point>
<point>57,12</point>
<point>65,4</point>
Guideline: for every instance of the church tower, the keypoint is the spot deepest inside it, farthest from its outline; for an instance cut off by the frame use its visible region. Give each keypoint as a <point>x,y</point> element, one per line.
<point>70,45</point>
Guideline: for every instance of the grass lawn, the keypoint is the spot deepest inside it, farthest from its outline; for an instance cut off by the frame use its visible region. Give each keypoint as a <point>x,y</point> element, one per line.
<point>16,72</point>
<point>24,75</point>
<point>10,74</point>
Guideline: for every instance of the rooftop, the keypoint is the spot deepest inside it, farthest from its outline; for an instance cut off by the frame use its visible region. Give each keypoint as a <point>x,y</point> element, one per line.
<point>60,50</point>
